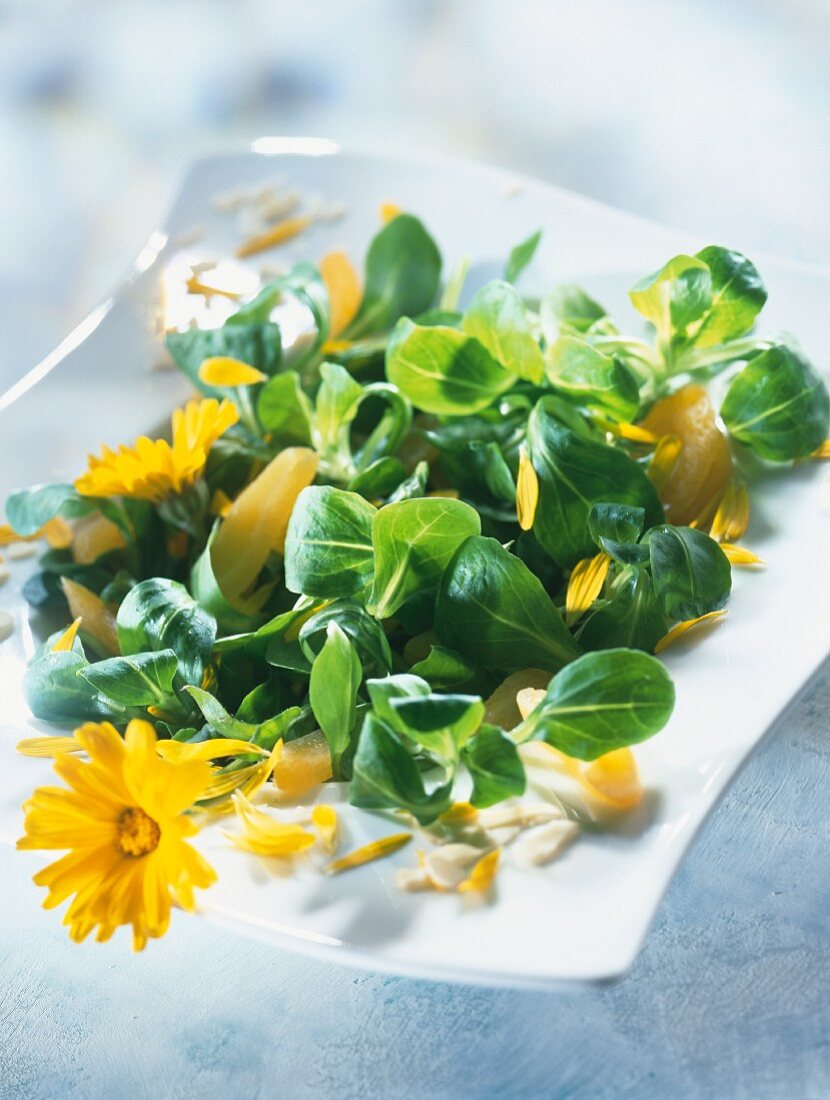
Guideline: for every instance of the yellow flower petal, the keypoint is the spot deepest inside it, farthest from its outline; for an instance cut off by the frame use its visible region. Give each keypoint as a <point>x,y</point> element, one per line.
<point>224,372</point>
<point>246,781</point>
<point>324,819</point>
<point>664,460</point>
<point>263,835</point>
<point>732,516</point>
<point>458,813</point>
<point>482,875</point>
<point>343,285</point>
<point>681,628</point>
<point>738,555</point>
<point>195,285</point>
<point>632,432</point>
<point>823,451</point>
<point>213,749</point>
<point>377,849</point>
<point>283,231</point>
<point>527,492</point>
<point>388,211</point>
<point>67,639</point>
<point>47,746</point>
<point>334,347</point>
<point>96,618</point>
<point>585,584</point>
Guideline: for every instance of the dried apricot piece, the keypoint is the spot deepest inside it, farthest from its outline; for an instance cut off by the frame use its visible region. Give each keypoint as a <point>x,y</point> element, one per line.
<point>303,764</point>
<point>705,462</point>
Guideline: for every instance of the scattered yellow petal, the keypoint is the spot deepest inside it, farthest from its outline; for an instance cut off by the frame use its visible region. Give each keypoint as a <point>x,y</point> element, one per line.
<point>47,746</point>
<point>482,875</point>
<point>663,461</point>
<point>632,432</point>
<point>377,849</point>
<point>263,835</point>
<point>739,555</point>
<point>98,620</point>
<point>732,517</point>
<point>195,286</point>
<point>343,285</point>
<point>527,491</point>
<point>93,536</point>
<point>324,819</point>
<point>66,640</point>
<point>459,812</point>
<point>247,781</point>
<point>681,628</point>
<point>224,372</point>
<point>585,584</point>
<point>213,749</point>
<point>283,231</point>
<point>823,451</point>
<point>389,211</point>
<point>528,699</point>
<point>257,521</point>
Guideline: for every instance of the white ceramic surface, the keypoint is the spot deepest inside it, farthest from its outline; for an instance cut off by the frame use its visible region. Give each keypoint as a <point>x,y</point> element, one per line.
<point>585,916</point>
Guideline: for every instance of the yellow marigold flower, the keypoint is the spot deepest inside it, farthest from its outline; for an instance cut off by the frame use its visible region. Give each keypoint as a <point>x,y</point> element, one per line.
<point>122,820</point>
<point>153,469</point>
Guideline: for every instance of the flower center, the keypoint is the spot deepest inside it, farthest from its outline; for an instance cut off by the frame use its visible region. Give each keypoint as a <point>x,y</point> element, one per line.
<point>138,834</point>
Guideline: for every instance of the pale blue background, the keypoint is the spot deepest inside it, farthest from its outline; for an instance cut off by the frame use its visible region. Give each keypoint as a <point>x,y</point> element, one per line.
<point>708,114</point>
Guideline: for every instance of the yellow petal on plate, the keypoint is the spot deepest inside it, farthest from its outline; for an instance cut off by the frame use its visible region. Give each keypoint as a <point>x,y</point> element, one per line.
<point>265,836</point>
<point>377,849</point>
<point>664,460</point>
<point>98,620</point>
<point>224,372</point>
<point>527,491</point>
<point>343,285</point>
<point>822,451</point>
<point>257,521</point>
<point>459,813</point>
<point>482,875</point>
<point>528,699</point>
<point>67,639</point>
<point>47,746</point>
<point>213,749</point>
<point>325,821</point>
<point>732,516</point>
<point>388,211</point>
<point>739,555</point>
<point>681,628</point>
<point>585,584</point>
<point>283,231</point>
<point>194,285</point>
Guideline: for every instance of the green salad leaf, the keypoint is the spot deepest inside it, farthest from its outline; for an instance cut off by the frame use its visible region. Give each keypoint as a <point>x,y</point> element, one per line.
<point>328,547</point>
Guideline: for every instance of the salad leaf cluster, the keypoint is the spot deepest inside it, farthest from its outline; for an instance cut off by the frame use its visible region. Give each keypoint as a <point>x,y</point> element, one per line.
<point>407,590</point>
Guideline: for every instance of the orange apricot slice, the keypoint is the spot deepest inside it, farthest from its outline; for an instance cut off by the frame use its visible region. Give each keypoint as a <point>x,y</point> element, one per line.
<point>303,764</point>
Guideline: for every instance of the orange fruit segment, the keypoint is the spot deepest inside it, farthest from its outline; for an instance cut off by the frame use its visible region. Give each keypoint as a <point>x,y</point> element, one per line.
<point>501,708</point>
<point>97,620</point>
<point>343,285</point>
<point>705,462</point>
<point>303,764</point>
<point>95,535</point>
<point>257,521</point>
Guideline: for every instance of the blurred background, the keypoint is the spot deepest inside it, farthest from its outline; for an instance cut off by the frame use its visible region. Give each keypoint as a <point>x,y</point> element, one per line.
<point>712,115</point>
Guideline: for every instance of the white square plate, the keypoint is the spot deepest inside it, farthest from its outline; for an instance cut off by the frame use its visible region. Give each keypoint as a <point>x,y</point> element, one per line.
<point>584,917</point>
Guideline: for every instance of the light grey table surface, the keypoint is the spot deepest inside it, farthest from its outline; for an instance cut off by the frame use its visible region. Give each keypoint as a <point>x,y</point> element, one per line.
<point>711,114</point>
